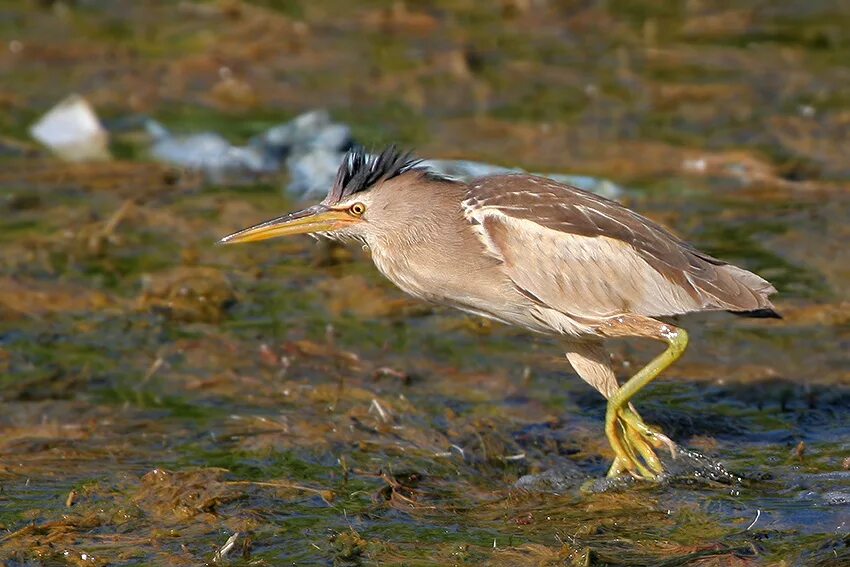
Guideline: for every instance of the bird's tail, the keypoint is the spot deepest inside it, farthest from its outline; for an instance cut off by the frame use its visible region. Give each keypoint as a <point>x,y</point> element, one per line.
<point>722,286</point>
<point>752,297</point>
<point>759,314</point>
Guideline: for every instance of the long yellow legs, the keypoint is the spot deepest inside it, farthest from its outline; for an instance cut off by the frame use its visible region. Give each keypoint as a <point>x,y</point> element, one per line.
<point>633,441</point>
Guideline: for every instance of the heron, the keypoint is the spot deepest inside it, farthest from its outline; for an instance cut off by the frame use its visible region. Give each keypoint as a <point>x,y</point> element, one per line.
<point>531,252</point>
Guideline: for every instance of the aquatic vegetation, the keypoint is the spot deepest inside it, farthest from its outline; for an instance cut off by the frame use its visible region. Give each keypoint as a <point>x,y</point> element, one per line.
<point>167,401</point>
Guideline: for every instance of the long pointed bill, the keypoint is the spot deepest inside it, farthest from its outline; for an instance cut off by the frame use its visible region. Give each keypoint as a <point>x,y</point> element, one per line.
<point>317,218</point>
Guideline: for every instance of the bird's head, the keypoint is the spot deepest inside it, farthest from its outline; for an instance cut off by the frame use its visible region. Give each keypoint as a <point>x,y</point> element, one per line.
<point>364,200</point>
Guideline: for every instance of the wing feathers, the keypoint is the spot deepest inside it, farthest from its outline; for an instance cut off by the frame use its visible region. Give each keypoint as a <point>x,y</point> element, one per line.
<point>587,255</point>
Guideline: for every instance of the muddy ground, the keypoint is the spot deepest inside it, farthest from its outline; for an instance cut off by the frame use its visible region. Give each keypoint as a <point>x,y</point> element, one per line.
<point>166,401</point>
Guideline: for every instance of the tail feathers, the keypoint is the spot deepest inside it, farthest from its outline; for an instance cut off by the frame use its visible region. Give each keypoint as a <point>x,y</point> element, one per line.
<point>758,314</point>
<point>755,282</point>
<point>734,289</point>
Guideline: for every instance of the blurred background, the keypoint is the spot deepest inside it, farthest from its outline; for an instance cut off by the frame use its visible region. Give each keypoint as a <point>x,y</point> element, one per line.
<point>165,401</point>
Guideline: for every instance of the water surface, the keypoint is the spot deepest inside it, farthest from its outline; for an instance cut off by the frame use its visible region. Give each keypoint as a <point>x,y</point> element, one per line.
<point>159,395</point>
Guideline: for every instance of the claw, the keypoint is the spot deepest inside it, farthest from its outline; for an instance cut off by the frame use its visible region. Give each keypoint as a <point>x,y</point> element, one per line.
<point>618,467</point>
<point>654,436</point>
<point>632,452</point>
<point>646,451</point>
<point>634,445</point>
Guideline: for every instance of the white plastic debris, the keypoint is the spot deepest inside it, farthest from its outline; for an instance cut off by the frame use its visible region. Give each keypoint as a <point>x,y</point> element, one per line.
<point>306,132</point>
<point>311,147</point>
<point>312,174</point>
<point>467,170</point>
<point>72,131</point>
<point>211,153</point>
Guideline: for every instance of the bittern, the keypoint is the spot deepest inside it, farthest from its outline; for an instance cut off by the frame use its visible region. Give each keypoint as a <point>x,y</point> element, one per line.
<point>529,251</point>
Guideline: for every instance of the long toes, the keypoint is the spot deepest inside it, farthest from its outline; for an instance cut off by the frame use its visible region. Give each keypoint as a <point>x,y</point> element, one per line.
<point>634,445</point>
<point>613,430</point>
<point>664,441</point>
<point>640,444</point>
<point>618,467</point>
<point>652,435</point>
<point>634,454</point>
<point>643,463</point>
<point>624,458</point>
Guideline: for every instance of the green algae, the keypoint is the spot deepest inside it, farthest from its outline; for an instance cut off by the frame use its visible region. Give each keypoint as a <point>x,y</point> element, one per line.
<point>328,433</point>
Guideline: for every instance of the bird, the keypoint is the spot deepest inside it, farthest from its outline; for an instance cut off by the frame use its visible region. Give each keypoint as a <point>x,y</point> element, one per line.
<point>531,252</point>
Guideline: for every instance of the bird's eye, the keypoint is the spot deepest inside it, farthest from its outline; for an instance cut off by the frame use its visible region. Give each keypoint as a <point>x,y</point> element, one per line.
<point>357,209</point>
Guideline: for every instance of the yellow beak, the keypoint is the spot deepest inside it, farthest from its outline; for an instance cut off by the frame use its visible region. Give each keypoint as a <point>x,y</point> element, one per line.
<point>317,218</point>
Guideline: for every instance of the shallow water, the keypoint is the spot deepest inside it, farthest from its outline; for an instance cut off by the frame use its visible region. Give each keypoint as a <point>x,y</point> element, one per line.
<point>160,394</point>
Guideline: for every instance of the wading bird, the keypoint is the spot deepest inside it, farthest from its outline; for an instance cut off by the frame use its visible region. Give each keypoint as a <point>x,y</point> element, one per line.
<point>528,251</point>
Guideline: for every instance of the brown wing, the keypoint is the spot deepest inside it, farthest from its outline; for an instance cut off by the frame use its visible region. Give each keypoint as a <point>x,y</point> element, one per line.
<point>584,254</point>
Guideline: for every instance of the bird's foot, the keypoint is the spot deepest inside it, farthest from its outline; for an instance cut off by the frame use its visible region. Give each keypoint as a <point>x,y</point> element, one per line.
<point>634,443</point>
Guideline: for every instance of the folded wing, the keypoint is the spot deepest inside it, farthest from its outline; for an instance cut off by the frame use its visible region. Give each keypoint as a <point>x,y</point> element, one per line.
<point>590,257</point>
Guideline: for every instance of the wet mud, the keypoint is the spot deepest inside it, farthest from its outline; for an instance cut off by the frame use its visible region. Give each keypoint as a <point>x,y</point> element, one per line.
<point>167,401</point>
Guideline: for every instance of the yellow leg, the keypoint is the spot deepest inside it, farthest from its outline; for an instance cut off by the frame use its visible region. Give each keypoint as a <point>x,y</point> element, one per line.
<point>638,439</point>
<point>631,439</point>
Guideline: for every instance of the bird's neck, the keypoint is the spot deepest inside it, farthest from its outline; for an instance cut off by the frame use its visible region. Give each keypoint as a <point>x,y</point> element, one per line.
<point>431,254</point>
<point>440,222</point>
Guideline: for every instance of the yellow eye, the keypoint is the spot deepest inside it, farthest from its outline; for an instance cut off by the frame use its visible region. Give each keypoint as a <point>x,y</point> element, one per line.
<point>357,209</point>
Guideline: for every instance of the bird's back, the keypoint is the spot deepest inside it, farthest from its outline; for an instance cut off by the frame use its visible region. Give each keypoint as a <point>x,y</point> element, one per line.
<point>589,257</point>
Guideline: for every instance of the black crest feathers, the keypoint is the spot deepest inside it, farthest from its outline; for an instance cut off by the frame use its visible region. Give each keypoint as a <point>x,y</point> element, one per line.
<point>359,171</point>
